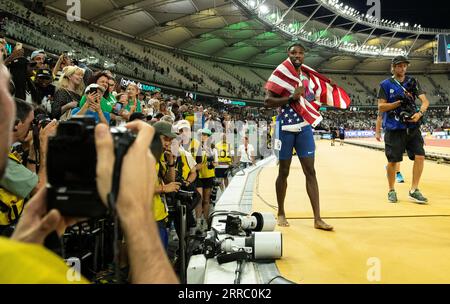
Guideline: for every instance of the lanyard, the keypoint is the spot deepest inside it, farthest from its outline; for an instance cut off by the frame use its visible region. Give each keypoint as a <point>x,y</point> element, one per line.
<point>397,82</point>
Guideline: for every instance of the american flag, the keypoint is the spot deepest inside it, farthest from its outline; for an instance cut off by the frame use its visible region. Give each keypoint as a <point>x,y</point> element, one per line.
<point>285,79</point>
<point>289,117</point>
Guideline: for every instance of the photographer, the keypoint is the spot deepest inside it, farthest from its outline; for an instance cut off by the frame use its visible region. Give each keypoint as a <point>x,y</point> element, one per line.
<point>185,174</point>
<point>23,259</point>
<point>165,168</point>
<point>206,163</point>
<point>401,122</point>
<point>226,153</point>
<point>19,182</point>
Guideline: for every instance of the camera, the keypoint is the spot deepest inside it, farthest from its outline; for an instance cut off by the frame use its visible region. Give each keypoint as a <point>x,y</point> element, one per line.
<point>41,121</point>
<point>214,190</point>
<point>407,108</point>
<point>256,246</point>
<point>244,225</point>
<point>71,167</point>
<point>210,161</point>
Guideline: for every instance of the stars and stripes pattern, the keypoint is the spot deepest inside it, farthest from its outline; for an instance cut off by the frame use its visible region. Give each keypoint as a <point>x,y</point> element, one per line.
<point>285,79</point>
<point>289,117</point>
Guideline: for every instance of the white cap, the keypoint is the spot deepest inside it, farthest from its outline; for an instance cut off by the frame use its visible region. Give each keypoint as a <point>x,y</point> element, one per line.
<point>94,85</point>
<point>182,124</point>
<point>37,52</point>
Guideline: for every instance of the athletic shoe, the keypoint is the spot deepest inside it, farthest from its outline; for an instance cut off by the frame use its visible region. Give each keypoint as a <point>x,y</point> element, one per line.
<point>392,196</point>
<point>417,197</point>
<point>399,178</point>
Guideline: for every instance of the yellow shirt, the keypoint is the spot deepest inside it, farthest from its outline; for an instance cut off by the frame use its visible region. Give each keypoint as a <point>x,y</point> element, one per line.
<point>24,263</point>
<point>204,171</point>
<point>159,208</point>
<point>224,152</point>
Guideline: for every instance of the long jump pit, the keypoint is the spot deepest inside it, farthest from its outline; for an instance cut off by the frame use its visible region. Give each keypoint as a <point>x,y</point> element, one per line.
<point>374,241</point>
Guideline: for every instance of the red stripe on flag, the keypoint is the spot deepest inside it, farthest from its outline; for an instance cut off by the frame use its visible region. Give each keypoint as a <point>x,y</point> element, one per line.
<point>288,64</point>
<point>283,77</point>
<point>277,89</point>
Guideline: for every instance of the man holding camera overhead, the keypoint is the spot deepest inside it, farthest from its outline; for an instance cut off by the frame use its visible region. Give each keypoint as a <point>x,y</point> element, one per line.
<point>401,122</point>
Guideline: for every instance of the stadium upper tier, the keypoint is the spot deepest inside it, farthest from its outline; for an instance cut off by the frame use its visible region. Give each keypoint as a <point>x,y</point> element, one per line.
<point>210,75</point>
<point>257,31</point>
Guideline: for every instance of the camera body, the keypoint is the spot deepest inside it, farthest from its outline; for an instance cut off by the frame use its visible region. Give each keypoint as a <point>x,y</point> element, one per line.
<point>71,168</point>
<point>407,108</point>
<point>210,162</point>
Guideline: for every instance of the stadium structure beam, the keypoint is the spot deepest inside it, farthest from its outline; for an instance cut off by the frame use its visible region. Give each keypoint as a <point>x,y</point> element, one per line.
<point>364,30</point>
<point>365,41</point>
<point>389,42</point>
<point>195,6</point>
<point>324,16</point>
<point>307,5</point>
<point>348,32</point>
<point>412,46</point>
<point>347,23</point>
<point>310,17</point>
<point>332,21</point>
<point>287,12</point>
<point>422,31</point>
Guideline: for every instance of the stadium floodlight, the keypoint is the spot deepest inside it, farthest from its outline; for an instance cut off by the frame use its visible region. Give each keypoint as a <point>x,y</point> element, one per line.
<point>406,24</point>
<point>401,23</point>
<point>263,9</point>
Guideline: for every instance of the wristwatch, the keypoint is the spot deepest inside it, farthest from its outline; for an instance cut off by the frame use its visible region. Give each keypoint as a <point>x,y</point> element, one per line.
<point>422,113</point>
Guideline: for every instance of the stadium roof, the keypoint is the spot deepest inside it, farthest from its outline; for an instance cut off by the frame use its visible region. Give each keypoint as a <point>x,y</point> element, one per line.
<point>258,31</point>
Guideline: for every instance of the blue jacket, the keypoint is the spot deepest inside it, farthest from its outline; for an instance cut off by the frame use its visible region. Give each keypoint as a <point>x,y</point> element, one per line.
<point>392,90</point>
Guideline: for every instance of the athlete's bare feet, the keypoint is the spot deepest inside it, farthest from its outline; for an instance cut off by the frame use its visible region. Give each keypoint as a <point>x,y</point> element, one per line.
<point>282,221</point>
<point>320,224</point>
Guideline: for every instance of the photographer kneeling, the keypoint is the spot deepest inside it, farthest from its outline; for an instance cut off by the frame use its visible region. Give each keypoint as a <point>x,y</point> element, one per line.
<point>401,122</point>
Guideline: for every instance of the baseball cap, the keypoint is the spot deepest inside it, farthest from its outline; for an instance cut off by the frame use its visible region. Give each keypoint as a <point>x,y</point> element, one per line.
<point>92,86</point>
<point>44,73</point>
<point>37,52</point>
<point>400,59</point>
<point>206,131</point>
<point>164,128</point>
<point>182,124</point>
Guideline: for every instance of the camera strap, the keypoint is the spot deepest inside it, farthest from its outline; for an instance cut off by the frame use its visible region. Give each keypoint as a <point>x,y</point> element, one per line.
<point>397,82</point>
